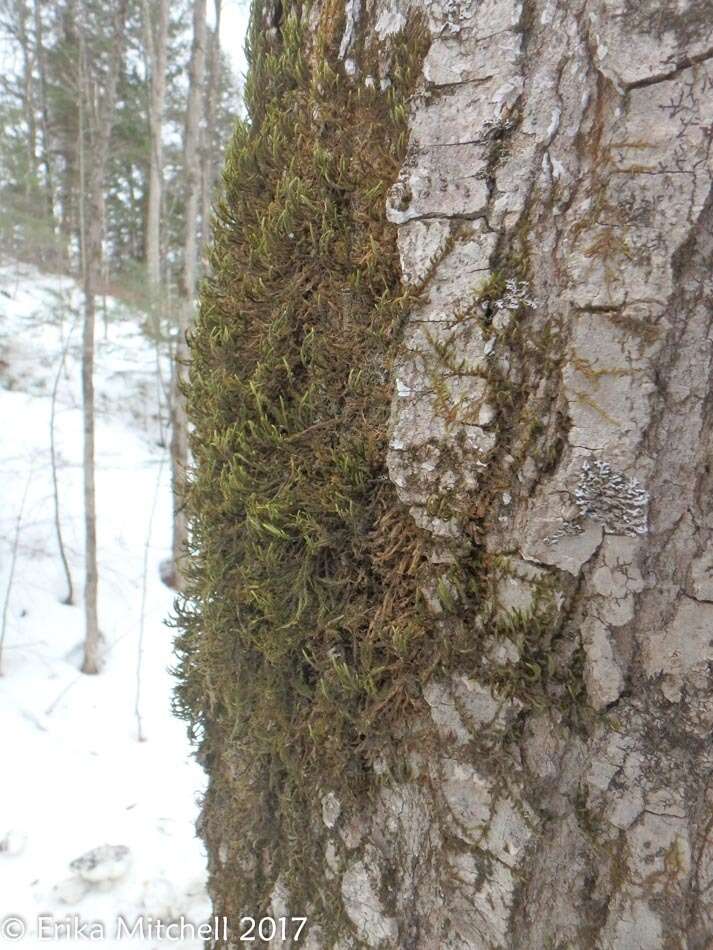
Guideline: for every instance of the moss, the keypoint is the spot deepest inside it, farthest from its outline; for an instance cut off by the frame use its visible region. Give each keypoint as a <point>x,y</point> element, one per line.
<point>302,619</point>
<point>304,634</point>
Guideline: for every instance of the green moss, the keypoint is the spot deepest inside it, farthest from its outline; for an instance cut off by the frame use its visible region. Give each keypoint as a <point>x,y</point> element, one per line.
<point>304,635</point>
<point>302,613</point>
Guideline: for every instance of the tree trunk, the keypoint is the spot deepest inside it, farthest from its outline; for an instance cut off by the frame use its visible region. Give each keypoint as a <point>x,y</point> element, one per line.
<point>551,436</point>
<point>209,150</point>
<point>187,286</point>
<point>156,42</point>
<point>97,103</point>
<point>69,598</point>
<point>92,256</point>
<point>68,186</point>
<point>156,45</point>
<point>44,113</point>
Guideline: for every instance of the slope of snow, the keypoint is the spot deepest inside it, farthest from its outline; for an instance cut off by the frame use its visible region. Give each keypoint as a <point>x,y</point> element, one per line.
<point>73,775</point>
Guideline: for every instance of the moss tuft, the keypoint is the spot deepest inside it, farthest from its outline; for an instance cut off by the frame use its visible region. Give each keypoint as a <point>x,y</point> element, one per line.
<point>307,628</point>
<point>302,620</point>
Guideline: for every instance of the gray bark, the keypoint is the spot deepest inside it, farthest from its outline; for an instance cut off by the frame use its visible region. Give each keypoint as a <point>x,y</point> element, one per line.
<point>69,598</point>
<point>156,51</point>
<point>187,284</point>
<point>156,43</point>
<point>96,120</point>
<point>210,157</point>
<point>68,144</point>
<point>605,163</point>
<point>576,135</point>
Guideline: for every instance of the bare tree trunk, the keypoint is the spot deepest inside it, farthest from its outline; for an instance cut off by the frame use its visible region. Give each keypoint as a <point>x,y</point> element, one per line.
<point>156,45</point>
<point>69,598</point>
<point>69,188</point>
<point>187,284</point>
<point>155,42</point>
<point>97,108</point>
<point>91,661</point>
<point>210,156</point>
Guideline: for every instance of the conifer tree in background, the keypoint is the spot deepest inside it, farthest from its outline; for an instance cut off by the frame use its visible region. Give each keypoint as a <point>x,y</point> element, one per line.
<point>41,56</point>
<point>39,136</point>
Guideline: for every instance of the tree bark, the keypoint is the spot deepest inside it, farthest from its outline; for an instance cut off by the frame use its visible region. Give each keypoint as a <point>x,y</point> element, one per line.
<point>68,137</point>
<point>187,286</point>
<point>210,156</point>
<point>156,46</point>
<point>156,43</point>
<point>69,597</point>
<point>97,102</point>
<point>557,201</point>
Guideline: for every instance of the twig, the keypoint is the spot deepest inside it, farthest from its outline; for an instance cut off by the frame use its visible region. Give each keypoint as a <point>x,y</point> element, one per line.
<point>34,720</point>
<point>137,706</point>
<point>13,562</point>
<point>69,599</point>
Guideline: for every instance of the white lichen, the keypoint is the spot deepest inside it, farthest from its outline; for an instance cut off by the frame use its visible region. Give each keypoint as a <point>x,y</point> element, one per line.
<point>609,498</point>
<point>515,295</point>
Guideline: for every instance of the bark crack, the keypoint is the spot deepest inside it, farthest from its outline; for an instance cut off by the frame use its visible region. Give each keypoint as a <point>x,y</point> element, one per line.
<point>680,67</point>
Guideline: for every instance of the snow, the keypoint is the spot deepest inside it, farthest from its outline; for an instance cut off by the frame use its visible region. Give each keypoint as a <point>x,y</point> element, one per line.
<point>73,775</point>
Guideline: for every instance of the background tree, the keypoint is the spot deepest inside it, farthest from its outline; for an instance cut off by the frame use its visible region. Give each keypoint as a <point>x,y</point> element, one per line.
<point>40,134</point>
<point>210,147</point>
<point>156,51</point>
<point>187,282</point>
<point>41,54</point>
<point>98,80</point>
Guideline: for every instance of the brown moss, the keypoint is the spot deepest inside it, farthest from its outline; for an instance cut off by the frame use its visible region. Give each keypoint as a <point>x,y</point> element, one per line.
<point>304,637</point>
<point>302,620</point>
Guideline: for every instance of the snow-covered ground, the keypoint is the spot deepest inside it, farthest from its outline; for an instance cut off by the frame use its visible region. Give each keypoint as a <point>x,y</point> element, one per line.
<point>73,775</point>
